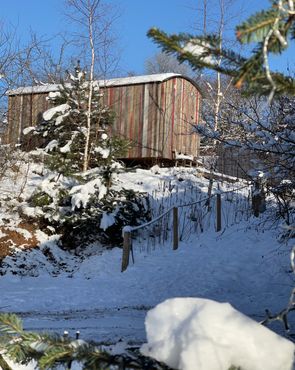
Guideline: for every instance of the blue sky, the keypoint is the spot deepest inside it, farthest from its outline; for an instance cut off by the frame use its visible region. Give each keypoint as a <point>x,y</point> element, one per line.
<point>47,18</point>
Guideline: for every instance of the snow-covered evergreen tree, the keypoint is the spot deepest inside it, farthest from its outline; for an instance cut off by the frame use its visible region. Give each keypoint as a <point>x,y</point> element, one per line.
<point>65,129</point>
<point>72,199</point>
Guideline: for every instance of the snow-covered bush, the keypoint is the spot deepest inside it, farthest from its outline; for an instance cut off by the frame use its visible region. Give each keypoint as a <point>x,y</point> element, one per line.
<point>12,161</point>
<point>83,210</point>
<point>103,219</point>
<point>284,193</point>
<point>264,134</point>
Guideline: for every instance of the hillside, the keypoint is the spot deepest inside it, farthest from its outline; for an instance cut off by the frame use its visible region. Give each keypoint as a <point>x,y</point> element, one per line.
<point>55,290</point>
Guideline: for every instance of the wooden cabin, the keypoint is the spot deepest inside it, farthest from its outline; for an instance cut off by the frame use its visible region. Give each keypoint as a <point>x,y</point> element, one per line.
<point>155,112</point>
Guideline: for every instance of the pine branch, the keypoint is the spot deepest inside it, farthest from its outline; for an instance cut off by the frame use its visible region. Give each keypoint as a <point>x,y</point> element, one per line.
<point>10,324</point>
<point>3,364</point>
<point>54,356</point>
<point>49,351</point>
<point>270,30</point>
<point>256,27</point>
<point>176,45</point>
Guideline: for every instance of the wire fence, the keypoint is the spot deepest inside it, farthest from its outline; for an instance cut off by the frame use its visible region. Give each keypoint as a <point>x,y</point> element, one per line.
<point>178,216</point>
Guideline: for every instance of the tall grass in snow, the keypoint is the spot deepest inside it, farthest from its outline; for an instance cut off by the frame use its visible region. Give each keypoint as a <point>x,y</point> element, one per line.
<point>194,214</point>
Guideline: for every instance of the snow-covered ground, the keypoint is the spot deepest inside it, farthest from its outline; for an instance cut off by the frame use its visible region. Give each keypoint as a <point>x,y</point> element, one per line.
<point>244,265</point>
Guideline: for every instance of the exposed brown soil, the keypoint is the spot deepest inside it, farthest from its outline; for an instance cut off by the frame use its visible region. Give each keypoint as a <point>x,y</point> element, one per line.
<point>16,239</point>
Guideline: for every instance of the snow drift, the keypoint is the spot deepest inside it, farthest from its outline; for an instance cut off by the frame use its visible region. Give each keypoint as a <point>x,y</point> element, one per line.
<point>193,333</point>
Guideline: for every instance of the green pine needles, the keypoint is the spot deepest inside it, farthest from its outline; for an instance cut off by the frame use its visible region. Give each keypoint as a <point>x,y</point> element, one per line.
<point>272,31</point>
<point>48,351</point>
<point>51,351</point>
<point>68,139</point>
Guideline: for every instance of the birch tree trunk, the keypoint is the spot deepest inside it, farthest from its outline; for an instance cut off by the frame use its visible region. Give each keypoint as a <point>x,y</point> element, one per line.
<point>218,98</point>
<point>91,79</point>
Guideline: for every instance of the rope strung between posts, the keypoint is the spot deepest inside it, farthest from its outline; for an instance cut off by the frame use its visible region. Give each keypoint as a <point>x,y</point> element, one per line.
<point>134,228</point>
<point>127,230</point>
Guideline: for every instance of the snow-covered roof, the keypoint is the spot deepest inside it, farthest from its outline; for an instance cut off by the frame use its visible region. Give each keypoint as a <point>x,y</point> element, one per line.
<point>160,77</point>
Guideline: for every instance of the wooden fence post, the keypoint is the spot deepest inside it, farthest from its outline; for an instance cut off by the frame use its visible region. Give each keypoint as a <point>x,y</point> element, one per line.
<point>256,200</point>
<point>126,250</point>
<point>218,212</point>
<point>175,228</point>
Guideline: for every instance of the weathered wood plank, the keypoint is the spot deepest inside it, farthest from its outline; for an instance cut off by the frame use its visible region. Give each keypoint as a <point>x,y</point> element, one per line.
<point>156,116</point>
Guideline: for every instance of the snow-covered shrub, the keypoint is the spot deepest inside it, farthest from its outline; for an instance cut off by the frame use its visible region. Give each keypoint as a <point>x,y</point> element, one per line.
<point>41,199</point>
<point>12,162</point>
<point>263,133</point>
<point>102,219</point>
<point>83,210</point>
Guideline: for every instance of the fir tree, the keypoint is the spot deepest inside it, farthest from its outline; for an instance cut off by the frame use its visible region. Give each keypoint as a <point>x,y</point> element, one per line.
<point>272,30</point>
<point>65,128</point>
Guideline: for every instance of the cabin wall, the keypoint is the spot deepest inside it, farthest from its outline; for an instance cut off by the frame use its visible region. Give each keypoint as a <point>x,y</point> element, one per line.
<point>24,111</point>
<point>136,117</point>
<point>14,109</point>
<point>187,112</point>
<point>156,117</point>
<point>179,101</point>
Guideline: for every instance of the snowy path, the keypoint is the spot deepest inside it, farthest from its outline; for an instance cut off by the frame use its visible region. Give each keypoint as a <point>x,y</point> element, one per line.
<point>105,326</point>
<point>243,266</point>
<point>101,325</point>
